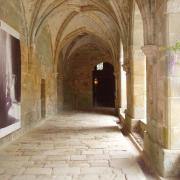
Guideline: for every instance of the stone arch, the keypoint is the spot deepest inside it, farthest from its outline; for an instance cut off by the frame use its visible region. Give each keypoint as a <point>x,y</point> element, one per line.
<point>53,7</point>
<point>106,55</point>
<point>62,64</point>
<point>73,36</point>
<point>61,31</point>
<point>147,9</point>
<point>25,27</point>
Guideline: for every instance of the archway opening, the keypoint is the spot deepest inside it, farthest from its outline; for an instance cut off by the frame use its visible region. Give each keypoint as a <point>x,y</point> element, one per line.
<point>104,85</point>
<point>75,68</point>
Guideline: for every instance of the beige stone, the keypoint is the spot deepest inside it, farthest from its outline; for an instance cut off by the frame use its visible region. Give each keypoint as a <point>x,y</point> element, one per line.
<point>38,171</point>
<point>66,171</point>
<point>61,44</point>
<point>23,177</point>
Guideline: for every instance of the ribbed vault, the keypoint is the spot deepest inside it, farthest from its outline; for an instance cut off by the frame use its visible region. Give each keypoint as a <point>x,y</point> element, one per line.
<point>77,61</point>
<point>108,19</point>
<point>82,33</point>
<point>64,17</point>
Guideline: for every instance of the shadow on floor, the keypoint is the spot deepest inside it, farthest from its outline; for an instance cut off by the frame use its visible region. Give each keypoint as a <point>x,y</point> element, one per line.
<point>54,129</point>
<point>97,110</point>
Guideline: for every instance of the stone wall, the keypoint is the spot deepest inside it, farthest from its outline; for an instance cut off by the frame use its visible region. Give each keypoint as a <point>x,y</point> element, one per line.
<point>46,30</point>
<point>78,84</point>
<point>77,61</point>
<point>41,68</point>
<point>79,93</point>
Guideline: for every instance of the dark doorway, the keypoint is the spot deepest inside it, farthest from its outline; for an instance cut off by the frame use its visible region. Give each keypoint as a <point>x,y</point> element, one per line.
<point>104,85</point>
<point>43,99</point>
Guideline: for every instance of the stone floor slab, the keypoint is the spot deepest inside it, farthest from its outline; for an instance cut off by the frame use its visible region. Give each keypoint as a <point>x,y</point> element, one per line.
<point>72,146</point>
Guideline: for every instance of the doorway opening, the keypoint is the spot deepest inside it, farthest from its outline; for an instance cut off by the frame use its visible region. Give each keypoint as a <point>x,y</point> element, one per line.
<point>43,98</point>
<point>104,85</point>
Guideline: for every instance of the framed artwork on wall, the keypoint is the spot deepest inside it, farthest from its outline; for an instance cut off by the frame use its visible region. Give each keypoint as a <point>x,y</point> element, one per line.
<point>10,80</point>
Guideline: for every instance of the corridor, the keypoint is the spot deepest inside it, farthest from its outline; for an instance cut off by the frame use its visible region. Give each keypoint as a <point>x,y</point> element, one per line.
<point>72,146</point>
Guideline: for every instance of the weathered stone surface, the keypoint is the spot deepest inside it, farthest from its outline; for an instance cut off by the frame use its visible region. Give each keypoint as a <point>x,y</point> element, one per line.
<point>110,160</point>
<point>38,171</point>
<point>61,42</point>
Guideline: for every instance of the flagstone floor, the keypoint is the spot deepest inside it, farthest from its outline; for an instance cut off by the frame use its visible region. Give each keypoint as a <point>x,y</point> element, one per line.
<point>73,146</point>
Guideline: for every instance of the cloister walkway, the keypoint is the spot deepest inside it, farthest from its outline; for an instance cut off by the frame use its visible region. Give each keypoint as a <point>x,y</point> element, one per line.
<point>72,146</point>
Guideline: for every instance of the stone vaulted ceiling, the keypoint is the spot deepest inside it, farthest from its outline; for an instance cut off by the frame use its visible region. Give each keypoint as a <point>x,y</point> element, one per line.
<point>105,20</point>
<point>70,22</point>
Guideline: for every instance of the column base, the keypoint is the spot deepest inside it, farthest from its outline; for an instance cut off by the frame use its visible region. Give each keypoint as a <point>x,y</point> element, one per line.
<point>131,123</point>
<point>165,162</point>
<point>117,111</point>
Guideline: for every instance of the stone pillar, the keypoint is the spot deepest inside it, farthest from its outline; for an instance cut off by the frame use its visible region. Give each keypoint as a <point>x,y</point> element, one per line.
<point>173,100</point>
<point>172,151</point>
<point>158,134</point>
<point>60,95</point>
<point>51,91</point>
<point>117,92</point>
<point>128,111</point>
<point>151,52</point>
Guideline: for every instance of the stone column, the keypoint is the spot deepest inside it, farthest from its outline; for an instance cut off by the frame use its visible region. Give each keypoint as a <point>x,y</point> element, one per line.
<point>128,111</point>
<point>173,101</point>
<point>158,135</point>
<point>151,52</point>
<point>172,151</point>
<point>60,95</point>
<point>117,92</point>
<point>173,74</point>
<point>152,144</point>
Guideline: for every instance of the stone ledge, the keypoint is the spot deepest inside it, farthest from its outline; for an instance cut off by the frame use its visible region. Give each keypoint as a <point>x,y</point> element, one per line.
<point>133,124</point>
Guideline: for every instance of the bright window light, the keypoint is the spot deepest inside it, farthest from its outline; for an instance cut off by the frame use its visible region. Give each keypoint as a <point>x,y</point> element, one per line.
<point>100,66</point>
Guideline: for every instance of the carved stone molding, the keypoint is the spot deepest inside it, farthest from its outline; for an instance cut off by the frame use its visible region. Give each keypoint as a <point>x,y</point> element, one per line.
<point>126,67</point>
<point>151,51</point>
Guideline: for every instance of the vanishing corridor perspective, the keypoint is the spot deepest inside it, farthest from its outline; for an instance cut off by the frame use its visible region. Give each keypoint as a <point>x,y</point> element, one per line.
<point>89,89</point>
<point>74,146</point>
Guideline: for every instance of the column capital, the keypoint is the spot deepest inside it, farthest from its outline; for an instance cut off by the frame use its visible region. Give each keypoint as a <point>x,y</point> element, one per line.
<point>150,50</point>
<point>126,67</point>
